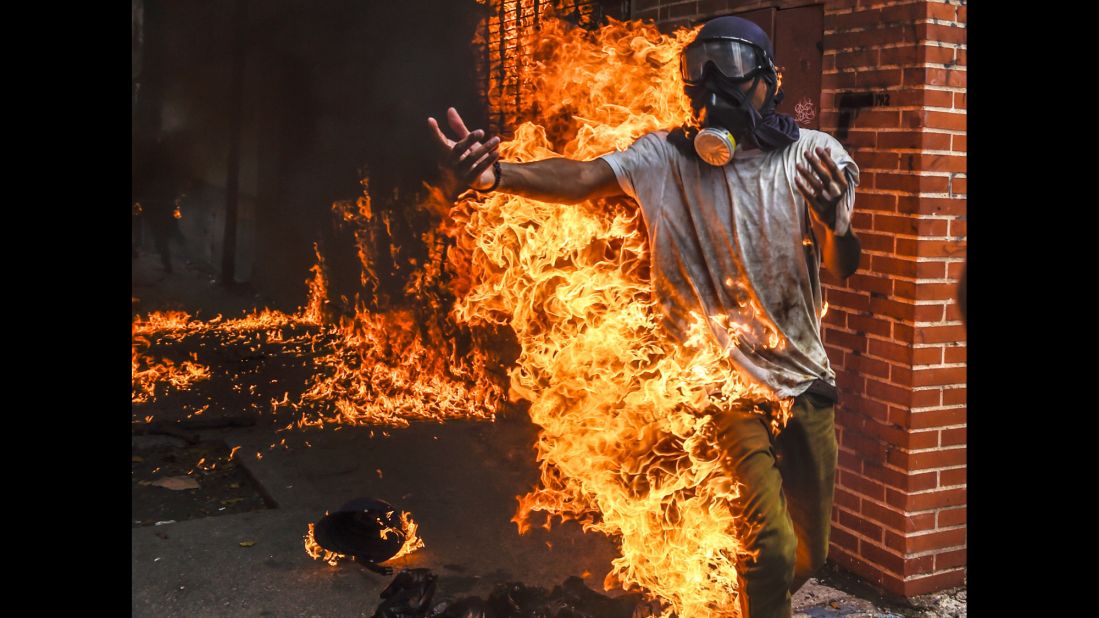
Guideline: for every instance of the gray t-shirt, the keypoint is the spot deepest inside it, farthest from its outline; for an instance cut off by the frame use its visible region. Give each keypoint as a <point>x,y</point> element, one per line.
<point>735,242</point>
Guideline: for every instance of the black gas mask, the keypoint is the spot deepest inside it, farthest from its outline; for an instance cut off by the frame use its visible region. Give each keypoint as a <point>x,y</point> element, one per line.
<point>725,115</point>
<point>722,71</point>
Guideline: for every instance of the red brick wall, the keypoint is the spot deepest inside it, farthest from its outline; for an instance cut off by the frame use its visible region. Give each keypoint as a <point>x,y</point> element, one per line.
<point>894,92</point>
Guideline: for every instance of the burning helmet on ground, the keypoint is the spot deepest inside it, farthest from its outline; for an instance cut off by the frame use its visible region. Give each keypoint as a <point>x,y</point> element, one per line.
<point>366,528</point>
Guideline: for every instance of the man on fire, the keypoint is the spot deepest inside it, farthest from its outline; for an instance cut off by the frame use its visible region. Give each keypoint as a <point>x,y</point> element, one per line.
<point>741,211</point>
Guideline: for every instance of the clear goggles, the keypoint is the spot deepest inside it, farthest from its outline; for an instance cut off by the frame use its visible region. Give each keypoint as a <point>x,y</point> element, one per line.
<point>736,59</point>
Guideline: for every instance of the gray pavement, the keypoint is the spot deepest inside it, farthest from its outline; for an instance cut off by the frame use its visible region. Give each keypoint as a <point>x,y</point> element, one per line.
<point>458,480</point>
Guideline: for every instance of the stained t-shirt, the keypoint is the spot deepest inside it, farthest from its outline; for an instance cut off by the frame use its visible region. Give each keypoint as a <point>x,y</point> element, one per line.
<point>734,243</point>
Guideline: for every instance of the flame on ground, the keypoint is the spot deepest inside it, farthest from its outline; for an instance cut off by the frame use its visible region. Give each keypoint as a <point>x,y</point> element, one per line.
<point>373,367</point>
<point>146,373</point>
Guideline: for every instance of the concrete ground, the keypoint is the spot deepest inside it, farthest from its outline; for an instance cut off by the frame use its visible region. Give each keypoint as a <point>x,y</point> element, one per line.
<point>459,481</point>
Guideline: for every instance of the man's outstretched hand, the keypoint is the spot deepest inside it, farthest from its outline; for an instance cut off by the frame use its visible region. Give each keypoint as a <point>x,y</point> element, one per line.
<point>467,162</point>
<point>822,183</point>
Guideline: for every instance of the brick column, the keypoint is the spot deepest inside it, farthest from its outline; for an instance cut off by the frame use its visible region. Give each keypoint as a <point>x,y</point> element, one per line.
<point>893,91</point>
<point>894,81</point>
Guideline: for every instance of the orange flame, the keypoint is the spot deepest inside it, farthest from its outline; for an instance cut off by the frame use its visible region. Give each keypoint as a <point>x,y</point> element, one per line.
<point>318,291</point>
<point>412,541</point>
<point>317,552</point>
<point>147,373</point>
<point>387,368</point>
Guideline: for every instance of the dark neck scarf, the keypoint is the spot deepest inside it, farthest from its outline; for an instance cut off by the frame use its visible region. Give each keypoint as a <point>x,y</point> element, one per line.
<point>776,131</point>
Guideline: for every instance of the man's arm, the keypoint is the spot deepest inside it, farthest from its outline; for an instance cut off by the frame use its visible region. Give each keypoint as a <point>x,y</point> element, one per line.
<point>467,163</point>
<point>559,180</point>
<point>823,185</point>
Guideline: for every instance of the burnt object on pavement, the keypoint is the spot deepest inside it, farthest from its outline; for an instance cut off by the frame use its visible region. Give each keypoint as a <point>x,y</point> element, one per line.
<point>466,607</point>
<point>574,598</point>
<point>516,599</point>
<point>366,528</point>
<point>408,595</point>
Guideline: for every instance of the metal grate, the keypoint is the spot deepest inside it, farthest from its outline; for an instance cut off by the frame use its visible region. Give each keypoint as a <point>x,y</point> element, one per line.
<point>507,36</point>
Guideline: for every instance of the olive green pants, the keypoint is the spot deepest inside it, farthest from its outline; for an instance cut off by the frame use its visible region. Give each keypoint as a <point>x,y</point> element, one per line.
<point>786,501</point>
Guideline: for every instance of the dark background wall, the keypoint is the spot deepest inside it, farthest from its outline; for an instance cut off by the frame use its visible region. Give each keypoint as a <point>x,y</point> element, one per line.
<point>328,89</point>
